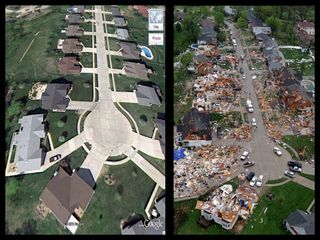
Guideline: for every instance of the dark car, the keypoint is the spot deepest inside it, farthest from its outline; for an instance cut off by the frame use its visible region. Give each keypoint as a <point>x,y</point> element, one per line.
<point>55,158</point>
<point>248,164</point>
<point>298,164</point>
<point>295,169</point>
<point>294,163</point>
<point>250,176</point>
<point>241,70</point>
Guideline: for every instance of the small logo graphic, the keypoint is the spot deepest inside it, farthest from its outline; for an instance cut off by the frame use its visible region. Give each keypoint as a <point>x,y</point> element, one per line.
<point>154,223</point>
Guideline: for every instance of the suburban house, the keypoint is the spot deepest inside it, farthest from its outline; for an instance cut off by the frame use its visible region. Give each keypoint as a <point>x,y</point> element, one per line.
<point>160,124</point>
<point>136,70</point>
<point>148,95</point>
<point>72,45</point>
<point>76,9</point>
<point>29,155</point>
<point>55,97</point>
<point>74,31</point>
<point>253,21</point>
<point>129,50</point>
<point>122,33</point>
<point>74,19</point>
<point>208,35</point>
<point>305,31</point>
<point>140,227</point>
<point>179,15</point>
<point>300,223</point>
<point>225,207</point>
<point>195,128</point>
<point>272,54</point>
<point>69,65</point>
<point>67,197</point>
<point>229,11</point>
<point>258,30</point>
<point>119,22</point>
<point>115,11</point>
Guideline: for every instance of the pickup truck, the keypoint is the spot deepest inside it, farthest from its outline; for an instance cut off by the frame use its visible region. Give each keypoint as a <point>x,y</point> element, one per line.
<point>248,164</point>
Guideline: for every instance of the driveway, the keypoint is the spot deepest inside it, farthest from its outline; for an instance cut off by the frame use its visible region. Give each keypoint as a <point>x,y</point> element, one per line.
<point>129,97</point>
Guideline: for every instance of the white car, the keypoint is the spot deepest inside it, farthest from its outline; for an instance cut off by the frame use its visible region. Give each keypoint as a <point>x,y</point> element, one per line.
<point>253,122</point>
<point>244,76</point>
<point>244,155</point>
<point>289,173</point>
<point>259,181</point>
<point>277,151</point>
<point>253,181</point>
<point>254,77</point>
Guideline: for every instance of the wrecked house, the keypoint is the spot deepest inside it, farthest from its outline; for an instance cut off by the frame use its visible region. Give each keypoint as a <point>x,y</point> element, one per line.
<point>225,207</point>
<point>207,35</point>
<point>196,127</point>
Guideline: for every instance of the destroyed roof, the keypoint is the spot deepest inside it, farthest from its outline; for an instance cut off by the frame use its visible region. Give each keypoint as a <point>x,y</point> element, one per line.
<point>129,50</point>
<point>201,58</point>
<point>148,95</point>
<point>254,20</point>
<point>72,45</point>
<point>122,33</point>
<point>136,70</point>
<point>69,64</point>
<point>64,193</point>
<point>195,122</point>
<point>305,24</point>
<point>55,96</point>
<point>119,22</point>
<point>258,30</point>
<point>74,30</point>
<point>302,222</point>
<point>74,18</point>
<point>29,155</point>
<point>76,9</point>
<point>115,11</point>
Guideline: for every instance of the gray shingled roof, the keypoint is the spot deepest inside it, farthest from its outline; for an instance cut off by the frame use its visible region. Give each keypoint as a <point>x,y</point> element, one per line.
<point>129,50</point>
<point>259,30</point>
<point>28,154</point>
<point>119,21</point>
<point>301,220</point>
<point>122,33</point>
<point>55,97</point>
<point>136,70</point>
<point>148,95</point>
<point>115,11</point>
<point>74,18</point>
<point>64,193</point>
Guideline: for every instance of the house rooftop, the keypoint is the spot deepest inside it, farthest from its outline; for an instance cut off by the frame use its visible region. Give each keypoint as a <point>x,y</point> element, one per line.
<point>122,33</point>
<point>259,30</point>
<point>129,50</point>
<point>136,70</point>
<point>74,31</point>
<point>302,222</point>
<point>148,95</point>
<point>29,156</point>
<point>305,24</point>
<point>119,22</point>
<point>66,194</point>
<point>55,97</point>
<point>72,45</point>
<point>115,11</point>
<point>76,9</point>
<point>69,65</point>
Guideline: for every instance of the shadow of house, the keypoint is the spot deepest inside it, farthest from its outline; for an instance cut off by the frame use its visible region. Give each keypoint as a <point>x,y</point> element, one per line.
<point>86,175</point>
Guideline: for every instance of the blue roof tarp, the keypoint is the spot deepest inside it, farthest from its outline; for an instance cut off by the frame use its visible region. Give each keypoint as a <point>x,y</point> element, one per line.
<point>178,154</point>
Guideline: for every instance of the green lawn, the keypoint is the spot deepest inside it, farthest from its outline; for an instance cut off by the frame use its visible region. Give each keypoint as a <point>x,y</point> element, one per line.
<point>288,198</point>
<point>307,69</point>
<point>69,130</point>
<point>137,25</point>
<point>86,41</point>
<point>20,207</point>
<point>79,92</point>
<point>111,204</point>
<point>136,111</point>
<point>124,83</point>
<point>180,109</point>
<point>299,142</point>
<point>111,29</point>
<point>156,162</point>
<point>113,44</point>
<point>309,176</point>
<point>294,54</point>
<point>86,60</point>
<point>116,62</point>
<point>225,65</point>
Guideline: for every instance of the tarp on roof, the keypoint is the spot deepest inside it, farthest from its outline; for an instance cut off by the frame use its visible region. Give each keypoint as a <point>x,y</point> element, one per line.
<point>178,154</point>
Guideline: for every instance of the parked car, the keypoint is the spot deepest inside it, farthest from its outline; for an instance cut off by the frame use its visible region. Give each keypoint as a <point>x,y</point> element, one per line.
<point>55,158</point>
<point>277,151</point>
<point>259,181</point>
<point>254,77</point>
<point>294,163</point>
<point>244,155</point>
<point>248,164</point>
<point>295,169</point>
<point>253,122</point>
<point>253,181</point>
<point>289,173</point>
<point>241,70</point>
<point>250,176</point>
<point>244,76</point>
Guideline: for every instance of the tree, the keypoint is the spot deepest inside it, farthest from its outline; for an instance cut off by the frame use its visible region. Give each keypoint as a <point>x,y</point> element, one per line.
<point>87,84</point>
<point>204,11</point>
<point>274,22</point>
<point>221,36</point>
<point>178,27</point>
<point>186,58</point>
<point>143,120</point>
<point>60,124</point>
<point>61,139</point>
<point>14,109</point>
<point>241,23</point>
<point>219,18</point>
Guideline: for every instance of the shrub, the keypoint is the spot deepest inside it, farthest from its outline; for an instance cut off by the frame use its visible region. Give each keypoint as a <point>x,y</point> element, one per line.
<point>143,120</point>
<point>60,124</point>
<point>61,139</point>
